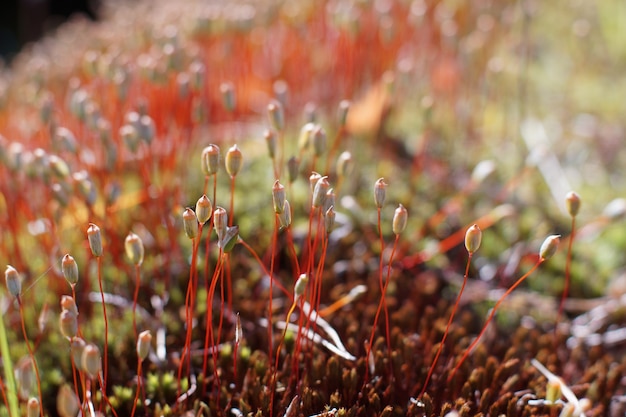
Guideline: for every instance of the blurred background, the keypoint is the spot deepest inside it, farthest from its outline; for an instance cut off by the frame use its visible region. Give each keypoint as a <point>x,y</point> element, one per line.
<point>23,21</point>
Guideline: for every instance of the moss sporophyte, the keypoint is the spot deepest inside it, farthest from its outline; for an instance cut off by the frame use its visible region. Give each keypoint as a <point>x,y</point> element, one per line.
<point>232,176</point>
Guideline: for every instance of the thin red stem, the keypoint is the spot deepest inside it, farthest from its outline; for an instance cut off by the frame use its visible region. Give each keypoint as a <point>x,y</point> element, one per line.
<point>381,286</point>
<point>280,345</point>
<point>566,285</point>
<point>74,373</point>
<point>189,305</point>
<point>209,332</point>
<point>491,316</point>
<point>260,262</point>
<point>271,290</point>
<point>135,298</point>
<point>132,413</point>
<point>445,333</point>
<point>106,398</point>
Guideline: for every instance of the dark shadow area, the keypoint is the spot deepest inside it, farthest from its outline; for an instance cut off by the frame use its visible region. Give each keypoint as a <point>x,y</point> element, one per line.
<point>24,21</point>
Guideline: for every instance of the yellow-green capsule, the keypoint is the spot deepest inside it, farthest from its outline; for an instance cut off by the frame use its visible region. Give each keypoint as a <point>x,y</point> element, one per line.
<point>67,402</point>
<point>68,324</point>
<point>91,360</point>
<point>278,197</point>
<point>204,209</point>
<point>400,218</point>
<point>473,237</point>
<point>210,159</point>
<point>190,223</point>
<point>380,192</point>
<point>553,391</point>
<point>143,344</point>
<point>549,247</point>
<point>95,240</point>
<point>134,249</point>
<point>233,161</point>
<point>300,286</point>
<point>69,269</point>
<point>319,192</point>
<point>572,203</point>
<point>284,218</point>
<point>220,222</point>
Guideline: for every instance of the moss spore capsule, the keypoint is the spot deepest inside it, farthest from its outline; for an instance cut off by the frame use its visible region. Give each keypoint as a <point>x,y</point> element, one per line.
<point>220,220</point>
<point>77,345</point>
<point>345,164</point>
<point>278,197</point>
<point>204,209</point>
<point>293,166</point>
<point>143,344</point>
<point>133,246</point>
<point>91,360</point>
<point>69,269</point>
<point>473,237</point>
<point>190,223</point>
<point>400,218</point>
<point>233,161</point>
<point>210,159</point>
<point>68,303</point>
<point>313,179</point>
<point>329,200</point>
<point>553,391</point>
<point>306,133</point>
<point>68,324</point>
<point>284,218</point>
<point>13,281</point>
<point>276,115</point>
<point>300,286</point>
<point>329,219</point>
<point>319,141</point>
<point>270,139</point>
<point>67,402</point>
<point>95,240</point>
<point>380,192</point>
<point>549,247</point>
<point>319,192</point>
<point>572,203</point>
